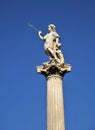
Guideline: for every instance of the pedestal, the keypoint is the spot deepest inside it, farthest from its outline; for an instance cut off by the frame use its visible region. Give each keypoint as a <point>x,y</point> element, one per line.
<point>55,103</point>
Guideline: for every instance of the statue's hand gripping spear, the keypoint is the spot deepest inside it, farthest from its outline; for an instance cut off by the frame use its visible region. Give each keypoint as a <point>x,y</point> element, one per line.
<point>35,29</point>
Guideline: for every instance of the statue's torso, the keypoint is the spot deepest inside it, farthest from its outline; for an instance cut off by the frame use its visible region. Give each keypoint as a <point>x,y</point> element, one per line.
<point>50,40</point>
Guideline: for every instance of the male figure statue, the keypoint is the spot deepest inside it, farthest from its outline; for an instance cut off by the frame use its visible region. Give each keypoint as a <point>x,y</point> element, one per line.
<point>52,45</point>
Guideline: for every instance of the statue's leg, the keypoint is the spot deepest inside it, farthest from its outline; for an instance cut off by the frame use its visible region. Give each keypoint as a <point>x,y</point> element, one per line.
<point>50,53</point>
<point>56,55</point>
<point>60,56</point>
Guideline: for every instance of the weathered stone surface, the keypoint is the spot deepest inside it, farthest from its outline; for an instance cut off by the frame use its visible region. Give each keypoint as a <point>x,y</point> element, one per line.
<point>55,105</point>
<point>54,73</point>
<point>49,68</point>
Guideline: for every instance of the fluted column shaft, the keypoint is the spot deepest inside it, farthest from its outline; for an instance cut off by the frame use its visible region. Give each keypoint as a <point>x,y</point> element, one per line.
<point>55,105</point>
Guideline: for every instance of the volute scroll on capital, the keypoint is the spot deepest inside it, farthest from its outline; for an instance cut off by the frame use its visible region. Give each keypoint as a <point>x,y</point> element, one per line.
<point>51,68</point>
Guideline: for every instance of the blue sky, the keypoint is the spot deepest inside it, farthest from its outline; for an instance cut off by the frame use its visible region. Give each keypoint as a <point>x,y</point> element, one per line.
<point>22,90</point>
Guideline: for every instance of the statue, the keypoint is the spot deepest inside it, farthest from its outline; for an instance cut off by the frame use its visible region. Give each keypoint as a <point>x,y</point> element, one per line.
<point>52,45</point>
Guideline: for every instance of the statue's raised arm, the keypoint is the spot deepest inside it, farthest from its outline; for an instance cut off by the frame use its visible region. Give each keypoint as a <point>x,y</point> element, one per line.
<point>52,45</point>
<point>40,35</point>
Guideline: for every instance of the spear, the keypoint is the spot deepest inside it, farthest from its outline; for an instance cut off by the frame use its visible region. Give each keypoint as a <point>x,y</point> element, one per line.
<point>33,27</point>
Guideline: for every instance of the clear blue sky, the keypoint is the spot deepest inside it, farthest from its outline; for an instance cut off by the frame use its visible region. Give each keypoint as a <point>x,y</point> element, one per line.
<point>22,90</point>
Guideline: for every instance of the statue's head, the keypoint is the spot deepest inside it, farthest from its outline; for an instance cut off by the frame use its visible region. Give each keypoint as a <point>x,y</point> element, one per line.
<point>51,27</point>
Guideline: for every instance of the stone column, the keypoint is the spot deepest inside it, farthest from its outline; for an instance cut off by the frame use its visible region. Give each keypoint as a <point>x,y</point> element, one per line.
<point>55,109</point>
<point>55,104</point>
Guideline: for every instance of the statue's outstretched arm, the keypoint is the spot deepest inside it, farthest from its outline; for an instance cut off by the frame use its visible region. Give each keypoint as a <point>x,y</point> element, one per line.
<point>40,35</point>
